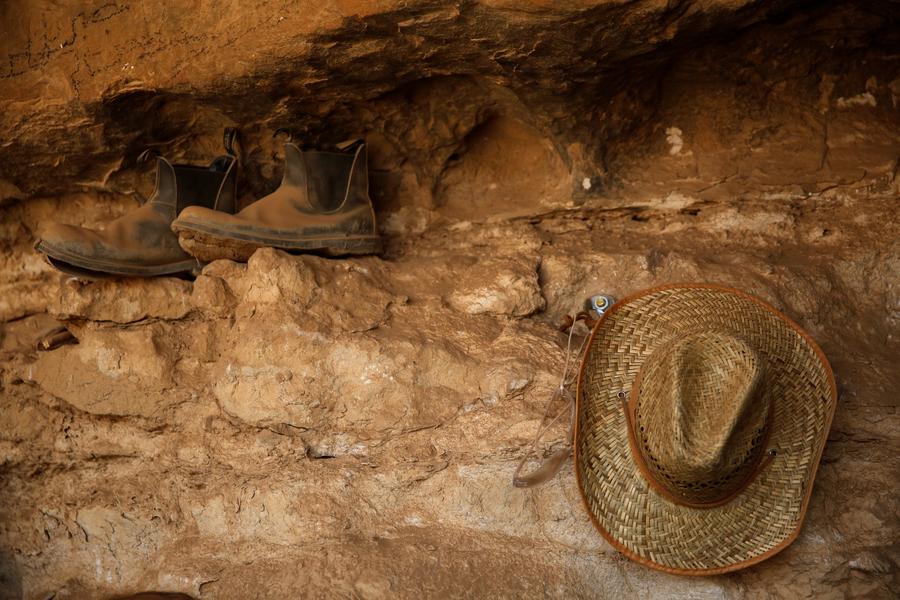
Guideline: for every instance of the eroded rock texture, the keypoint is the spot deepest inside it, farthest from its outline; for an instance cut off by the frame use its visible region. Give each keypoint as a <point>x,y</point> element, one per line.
<point>307,427</point>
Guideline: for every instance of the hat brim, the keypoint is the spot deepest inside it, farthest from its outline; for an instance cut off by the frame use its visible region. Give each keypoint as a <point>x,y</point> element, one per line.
<point>767,515</point>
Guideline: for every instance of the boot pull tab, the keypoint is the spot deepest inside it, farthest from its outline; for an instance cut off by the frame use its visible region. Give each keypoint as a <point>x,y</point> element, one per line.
<point>228,139</point>
<point>350,145</point>
<point>551,465</point>
<point>282,130</point>
<point>143,157</point>
<point>147,155</point>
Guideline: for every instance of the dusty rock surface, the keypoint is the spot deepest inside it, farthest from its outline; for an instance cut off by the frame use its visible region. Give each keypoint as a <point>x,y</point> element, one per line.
<point>306,427</point>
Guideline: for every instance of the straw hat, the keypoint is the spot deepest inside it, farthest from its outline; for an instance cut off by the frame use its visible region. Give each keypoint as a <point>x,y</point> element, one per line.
<point>702,413</point>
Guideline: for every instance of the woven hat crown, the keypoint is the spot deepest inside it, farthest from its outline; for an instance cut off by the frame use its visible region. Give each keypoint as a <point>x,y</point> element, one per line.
<point>701,416</point>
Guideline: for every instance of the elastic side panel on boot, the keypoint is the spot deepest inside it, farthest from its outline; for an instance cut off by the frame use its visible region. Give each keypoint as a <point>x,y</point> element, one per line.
<point>327,175</point>
<point>358,187</point>
<point>294,167</point>
<point>197,186</point>
<point>221,163</point>
<point>166,187</point>
<point>226,201</point>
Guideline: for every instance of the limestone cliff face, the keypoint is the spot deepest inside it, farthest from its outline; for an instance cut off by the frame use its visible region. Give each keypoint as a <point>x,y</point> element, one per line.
<point>349,428</point>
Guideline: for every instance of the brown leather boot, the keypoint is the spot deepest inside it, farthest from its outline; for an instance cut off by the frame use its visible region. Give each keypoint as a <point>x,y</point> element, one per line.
<point>141,242</point>
<point>321,206</point>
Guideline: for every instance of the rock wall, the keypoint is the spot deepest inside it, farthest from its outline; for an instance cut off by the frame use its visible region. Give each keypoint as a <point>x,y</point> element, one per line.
<point>348,428</point>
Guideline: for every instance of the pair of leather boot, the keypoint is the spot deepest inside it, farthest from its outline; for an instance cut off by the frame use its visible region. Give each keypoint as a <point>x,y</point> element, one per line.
<point>321,206</point>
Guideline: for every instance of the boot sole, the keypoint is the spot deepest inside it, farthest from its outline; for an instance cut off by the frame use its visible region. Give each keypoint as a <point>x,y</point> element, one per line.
<point>208,245</point>
<point>92,269</point>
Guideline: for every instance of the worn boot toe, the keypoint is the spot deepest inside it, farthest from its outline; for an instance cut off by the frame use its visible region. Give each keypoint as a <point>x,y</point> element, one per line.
<point>65,242</point>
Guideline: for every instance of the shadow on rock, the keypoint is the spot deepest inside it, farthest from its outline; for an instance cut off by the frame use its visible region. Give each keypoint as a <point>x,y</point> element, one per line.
<point>10,578</point>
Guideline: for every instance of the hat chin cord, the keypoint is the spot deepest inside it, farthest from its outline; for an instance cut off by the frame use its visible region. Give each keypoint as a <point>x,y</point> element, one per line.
<point>552,464</point>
